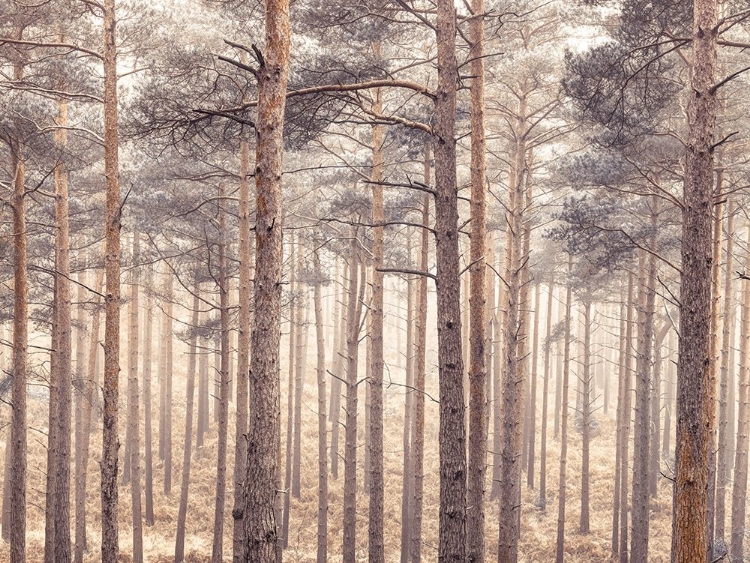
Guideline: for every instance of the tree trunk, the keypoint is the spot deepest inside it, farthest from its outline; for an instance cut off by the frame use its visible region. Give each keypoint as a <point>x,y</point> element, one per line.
<point>293,333</point>
<point>134,407</point>
<point>452,432</point>
<point>514,376</point>
<point>695,411</point>
<point>338,369</point>
<point>531,408</point>
<point>545,397</point>
<point>376,551</point>
<point>265,434</point>
<point>243,356</point>
<point>647,299</point>
<point>353,324</point>
<point>727,367</point>
<point>408,478</point>
<point>655,440</point>
<point>619,429</point>
<point>179,550</point>
<point>626,415</point>
<point>167,374</point>
<point>586,402</point>
<point>147,432</point>
<point>299,377</point>
<point>560,551</point>
<point>739,490</point>
<point>322,554</point>
<point>110,442</point>
<point>223,398</point>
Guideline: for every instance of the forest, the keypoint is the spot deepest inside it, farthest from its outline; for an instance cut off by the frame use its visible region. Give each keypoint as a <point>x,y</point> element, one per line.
<point>374,280</point>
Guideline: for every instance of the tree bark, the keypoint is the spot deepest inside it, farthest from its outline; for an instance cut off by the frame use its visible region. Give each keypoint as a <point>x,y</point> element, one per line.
<point>626,416</point>
<point>243,356</point>
<point>147,432</point>
<point>531,408</point>
<point>134,407</point>
<point>299,373</point>
<point>695,411</point>
<point>264,434</point>
<point>586,402</point>
<point>293,333</point>
<point>167,375</point>
<point>179,550</point>
<point>545,397</point>
<point>322,553</point>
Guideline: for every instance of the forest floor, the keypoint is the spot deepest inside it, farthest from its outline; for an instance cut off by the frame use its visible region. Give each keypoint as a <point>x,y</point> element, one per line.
<point>538,528</point>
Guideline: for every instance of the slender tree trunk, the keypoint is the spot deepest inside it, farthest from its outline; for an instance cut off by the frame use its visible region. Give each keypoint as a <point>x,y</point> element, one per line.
<point>514,376</point>
<point>353,324</point>
<point>167,374</point>
<point>293,333</point>
<point>376,551</point>
<point>727,365</point>
<point>417,451</point>
<point>299,377</point>
<point>110,442</point>
<point>586,402</point>
<point>739,490</point>
<point>560,551</point>
<point>619,422</point>
<point>322,554</point>
<point>53,428</point>
<point>477,462</point>
<point>452,432</point>
<point>338,370</point>
<point>134,407</point>
<point>243,356</point>
<point>20,347</point>
<point>223,398</point>
<point>408,475</point>
<point>626,415</point>
<point>265,433</point>
<point>655,440</point>
<point>179,550</point>
<point>695,410</point>
<point>545,397</point>
<point>532,403</point>
<point>147,432</point>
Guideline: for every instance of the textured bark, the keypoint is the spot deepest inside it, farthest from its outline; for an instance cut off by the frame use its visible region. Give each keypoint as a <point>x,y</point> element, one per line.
<point>727,365</point>
<point>376,551</point>
<point>81,398</point>
<point>560,549</point>
<point>739,490</point>
<point>655,439</point>
<point>514,384</point>
<point>477,461</point>
<point>203,391</point>
<point>586,402</point>
<point>695,410</point>
<point>626,416</point>
<point>110,442</point>
<point>545,397</point>
<point>53,428</point>
<point>452,432</point>
<point>408,479</point>
<point>134,406</point>
<point>18,442</point>
<point>82,457</point>
<point>531,407</point>
<point>338,369</point>
<point>167,375</point>
<point>417,451</point>
<point>322,553</point>
<point>223,397</point>
<point>353,325</point>
<point>619,427</point>
<point>179,550</point>
<point>264,434</point>
<point>299,374</point>
<point>243,356</point>
<point>148,492</point>
<point>293,333</point>
<point>640,499</point>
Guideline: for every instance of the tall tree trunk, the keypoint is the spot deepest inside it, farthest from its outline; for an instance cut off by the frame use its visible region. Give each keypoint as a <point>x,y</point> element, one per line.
<point>223,404</point>
<point>586,403</point>
<point>167,340</point>
<point>545,396</point>
<point>293,333</point>
<point>695,410</point>
<point>619,427</point>
<point>243,356</point>
<point>739,490</point>
<point>647,299</point>
<point>417,450</point>
<point>531,408</point>
<point>477,462</point>
<point>110,441</point>
<point>265,434</point>
<point>147,432</point>
<point>179,550</point>
<point>727,366</point>
<point>299,374</point>
<point>134,407</point>
<point>81,397</point>
<point>626,415</point>
<point>408,475</point>
<point>560,550</point>
<point>655,440</point>
<point>514,376</point>
<point>353,324</point>
<point>376,551</point>
<point>338,369</point>
<point>20,347</point>
<point>322,554</point>
<point>82,457</point>
<point>452,432</point>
